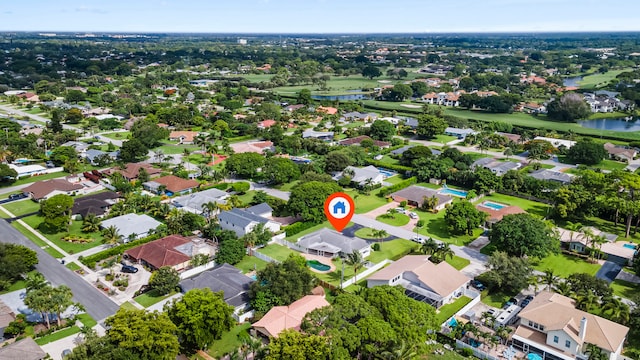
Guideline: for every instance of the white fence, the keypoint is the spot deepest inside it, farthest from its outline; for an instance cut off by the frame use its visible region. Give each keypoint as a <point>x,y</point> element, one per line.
<point>476,352</point>
<point>263,256</point>
<point>366,273</point>
<point>290,245</point>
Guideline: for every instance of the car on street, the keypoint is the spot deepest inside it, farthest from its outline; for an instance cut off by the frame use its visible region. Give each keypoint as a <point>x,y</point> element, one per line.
<point>129,269</point>
<point>17,196</point>
<point>418,239</point>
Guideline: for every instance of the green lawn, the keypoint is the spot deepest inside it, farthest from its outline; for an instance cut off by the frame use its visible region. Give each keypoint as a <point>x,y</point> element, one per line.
<point>150,298</point>
<point>355,124</point>
<point>229,341</point>
<point>278,252</point>
<point>599,79</point>
<point>532,207</point>
<point>611,165</point>
<point>75,229</point>
<point>250,263</point>
<point>247,197</point>
<point>128,306</point>
<point>366,203</point>
<point>436,227</point>
<point>496,300</point>
<point>22,207</point>
<point>625,289</point>
<point>396,219</point>
<point>87,320</point>
<point>73,266</point>
<point>118,135</point>
<point>32,179</point>
<point>443,139</point>
<point>394,179</point>
<point>171,149</point>
<point>337,85</point>
<point>36,240</point>
<point>365,233</point>
<point>386,159</point>
<point>458,262</point>
<point>392,250</point>
<point>255,77</point>
<point>287,186</point>
<point>58,335</point>
<point>564,265</point>
<point>447,311</point>
<point>20,284</point>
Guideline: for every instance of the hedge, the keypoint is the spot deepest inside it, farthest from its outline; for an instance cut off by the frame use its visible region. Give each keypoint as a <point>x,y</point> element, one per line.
<point>91,260</point>
<point>399,186</point>
<point>298,227</point>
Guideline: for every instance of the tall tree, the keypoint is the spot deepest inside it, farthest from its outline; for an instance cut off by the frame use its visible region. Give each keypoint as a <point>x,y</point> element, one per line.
<point>57,212</point>
<point>293,345</point>
<point>164,280</point>
<point>382,130</point>
<point>462,217</point>
<point>307,199</point>
<point>355,260</point>
<point>523,234</point>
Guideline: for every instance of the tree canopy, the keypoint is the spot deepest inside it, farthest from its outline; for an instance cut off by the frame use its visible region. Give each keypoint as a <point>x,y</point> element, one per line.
<point>382,130</point>
<point>462,217</point>
<point>164,280</point>
<point>506,273</point>
<point>280,170</point>
<point>587,152</point>
<point>245,165</point>
<point>16,260</point>
<point>429,126</point>
<point>307,199</point>
<point>523,234</point>
<point>56,212</point>
<point>569,107</point>
<point>148,133</point>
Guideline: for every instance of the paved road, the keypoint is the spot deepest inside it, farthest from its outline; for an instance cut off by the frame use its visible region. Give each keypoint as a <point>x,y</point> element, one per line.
<point>14,111</point>
<point>98,305</point>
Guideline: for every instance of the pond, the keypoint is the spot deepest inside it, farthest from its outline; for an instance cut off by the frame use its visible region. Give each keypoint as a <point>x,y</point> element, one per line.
<point>619,124</point>
<point>341,97</point>
<point>572,81</point>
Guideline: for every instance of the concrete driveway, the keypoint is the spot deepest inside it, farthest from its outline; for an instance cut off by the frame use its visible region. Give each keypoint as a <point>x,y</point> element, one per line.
<point>609,271</point>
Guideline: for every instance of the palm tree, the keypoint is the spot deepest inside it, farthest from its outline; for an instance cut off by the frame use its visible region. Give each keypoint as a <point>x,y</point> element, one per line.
<point>208,209</point>
<point>563,288</point>
<point>391,213</point>
<point>400,351</point>
<point>205,171</point>
<point>38,301</point>
<point>380,234</point>
<point>234,201</point>
<point>91,223</point>
<point>161,210</point>
<point>597,242</point>
<point>588,236</point>
<point>549,278</point>
<point>355,259</point>
<point>586,300</point>
<point>61,299</point>
<point>595,352</point>
<point>158,155</point>
<point>201,140</point>
<point>503,333</point>
<point>619,310</point>
<point>443,252</point>
<point>35,281</point>
<point>429,247</point>
<point>111,235</point>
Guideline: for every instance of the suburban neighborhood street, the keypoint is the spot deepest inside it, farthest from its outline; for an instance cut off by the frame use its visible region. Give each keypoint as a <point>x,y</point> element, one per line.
<point>98,305</point>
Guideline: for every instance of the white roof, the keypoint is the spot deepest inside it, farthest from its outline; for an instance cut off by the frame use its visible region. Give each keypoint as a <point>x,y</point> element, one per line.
<point>132,224</point>
<point>23,169</point>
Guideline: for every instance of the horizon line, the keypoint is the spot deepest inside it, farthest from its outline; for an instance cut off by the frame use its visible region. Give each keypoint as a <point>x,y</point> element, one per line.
<point>324,33</point>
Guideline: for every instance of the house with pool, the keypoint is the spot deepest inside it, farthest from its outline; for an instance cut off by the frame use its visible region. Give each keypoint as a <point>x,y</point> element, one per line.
<point>435,284</point>
<point>551,327</point>
<point>619,252</point>
<point>496,211</point>
<point>416,195</point>
<point>331,244</point>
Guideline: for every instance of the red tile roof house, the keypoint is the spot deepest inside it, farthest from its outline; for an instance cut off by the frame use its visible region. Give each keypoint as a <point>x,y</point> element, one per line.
<point>131,171</point>
<point>174,251</point>
<point>256,147</point>
<point>172,185</point>
<point>358,139</point>
<point>183,137</point>
<point>266,124</point>
<point>47,188</point>
<point>497,215</point>
<point>327,110</point>
<point>281,318</point>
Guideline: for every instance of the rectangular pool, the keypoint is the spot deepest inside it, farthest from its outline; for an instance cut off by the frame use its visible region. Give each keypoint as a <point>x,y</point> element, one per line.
<point>454,192</point>
<point>630,246</point>
<point>493,206</point>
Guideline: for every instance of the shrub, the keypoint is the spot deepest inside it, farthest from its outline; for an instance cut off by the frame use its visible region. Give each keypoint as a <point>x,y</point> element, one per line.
<point>376,247</point>
<point>298,227</point>
<point>90,261</point>
<point>399,186</point>
<point>466,352</point>
<point>241,187</point>
<point>222,186</point>
<point>109,277</point>
<point>403,203</point>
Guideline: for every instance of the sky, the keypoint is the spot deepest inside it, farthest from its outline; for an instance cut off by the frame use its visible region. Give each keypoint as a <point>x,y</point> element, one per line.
<point>319,16</point>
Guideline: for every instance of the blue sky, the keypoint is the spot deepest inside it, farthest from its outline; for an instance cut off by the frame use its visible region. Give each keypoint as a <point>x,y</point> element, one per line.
<point>319,16</point>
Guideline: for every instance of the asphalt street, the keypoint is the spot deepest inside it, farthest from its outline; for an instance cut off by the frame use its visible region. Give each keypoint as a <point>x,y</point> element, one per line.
<point>98,305</point>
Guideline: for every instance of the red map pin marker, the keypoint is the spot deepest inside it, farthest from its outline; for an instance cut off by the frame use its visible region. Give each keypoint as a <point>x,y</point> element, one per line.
<point>339,208</point>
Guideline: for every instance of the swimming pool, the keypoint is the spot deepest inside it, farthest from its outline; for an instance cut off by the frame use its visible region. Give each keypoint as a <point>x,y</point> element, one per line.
<point>454,192</point>
<point>386,173</point>
<point>532,356</point>
<point>494,206</point>
<point>630,246</point>
<point>315,264</point>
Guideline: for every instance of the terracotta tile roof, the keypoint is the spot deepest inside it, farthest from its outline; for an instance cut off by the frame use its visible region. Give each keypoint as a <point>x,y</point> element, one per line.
<point>559,312</point>
<point>327,110</point>
<point>176,184</point>
<point>40,189</point>
<point>25,349</point>
<point>160,252</point>
<point>131,170</point>
<point>358,139</point>
<point>281,318</point>
<point>266,123</point>
<point>256,147</point>
<point>187,136</point>
<point>497,215</point>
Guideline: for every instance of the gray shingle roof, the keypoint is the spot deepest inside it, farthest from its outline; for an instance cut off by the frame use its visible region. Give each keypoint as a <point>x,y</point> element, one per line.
<point>330,240</point>
<point>196,200</point>
<point>240,217</point>
<point>260,209</point>
<point>132,224</point>
<point>401,150</point>
<point>545,174</point>
<point>417,194</point>
<point>225,278</point>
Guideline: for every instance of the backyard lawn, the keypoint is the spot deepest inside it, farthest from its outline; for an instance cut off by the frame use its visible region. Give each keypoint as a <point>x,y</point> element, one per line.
<point>532,207</point>
<point>366,203</point>
<point>117,135</point>
<point>229,341</point>
<point>151,297</point>
<point>75,229</point>
<point>458,262</point>
<point>625,289</point>
<point>392,250</point>
<point>250,263</point>
<point>396,219</point>
<point>564,265</point>
<point>448,310</point>
<point>278,252</point>
<point>443,139</point>
<point>436,227</point>
<point>22,207</point>
<point>496,299</point>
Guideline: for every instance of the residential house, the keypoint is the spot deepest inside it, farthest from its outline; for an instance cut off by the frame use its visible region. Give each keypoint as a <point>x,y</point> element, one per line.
<point>327,110</point>
<point>393,120</point>
<point>97,204</point>
<point>401,150</point>
<point>193,202</point>
<point>497,167</point>
<point>265,124</point>
<point>292,108</point>
<point>553,328</point>
<point>258,147</point>
<point>556,142</point>
<point>359,139</point>
<point>132,226</point>
<point>281,318</point>
<point>171,185</point>
<point>533,108</point>
<point>322,135</point>
<point>132,170</point>
<point>243,221</point>
<point>496,213</point>
<point>616,252</point>
<point>358,116</point>
<point>620,153</point>
<point>28,170</point>
<point>330,243</point>
<point>363,176</point>
<point>6,317</point>
<point>228,279</point>
<point>416,195</point>
<point>459,133</point>
<point>174,251</point>
<point>435,284</point>
<point>45,189</point>
<point>515,138</point>
<point>442,98</point>
<point>93,156</point>
<point>78,146</point>
<point>550,175</point>
<point>183,137</point>
<point>410,122</point>
<point>25,349</point>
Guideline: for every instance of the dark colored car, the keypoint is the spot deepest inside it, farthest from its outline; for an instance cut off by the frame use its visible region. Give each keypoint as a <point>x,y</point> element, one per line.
<point>524,303</point>
<point>478,285</point>
<point>16,196</point>
<point>529,298</point>
<point>514,301</point>
<point>129,269</point>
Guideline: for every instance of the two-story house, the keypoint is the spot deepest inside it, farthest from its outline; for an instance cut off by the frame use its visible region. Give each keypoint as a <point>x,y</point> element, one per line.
<point>553,328</point>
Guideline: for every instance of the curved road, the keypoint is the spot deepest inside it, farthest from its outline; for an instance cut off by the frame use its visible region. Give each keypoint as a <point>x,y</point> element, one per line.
<point>98,305</point>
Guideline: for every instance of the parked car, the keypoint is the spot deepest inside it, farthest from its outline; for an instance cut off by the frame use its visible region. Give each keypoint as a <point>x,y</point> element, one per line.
<point>50,164</point>
<point>524,303</point>
<point>478,285</point>
<point>129,269</point>
<point>413,215</point>
<point>417,239</point>
<point>529,298</point>
<point>401,210</point>
<point>65,353</point>
<point>17,196</point>
<point>514,301</point>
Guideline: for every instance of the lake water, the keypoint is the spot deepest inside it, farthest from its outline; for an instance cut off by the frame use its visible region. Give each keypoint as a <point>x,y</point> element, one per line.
<point>572,81</point>
<point>341,97</point>
<point>612,124</point>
